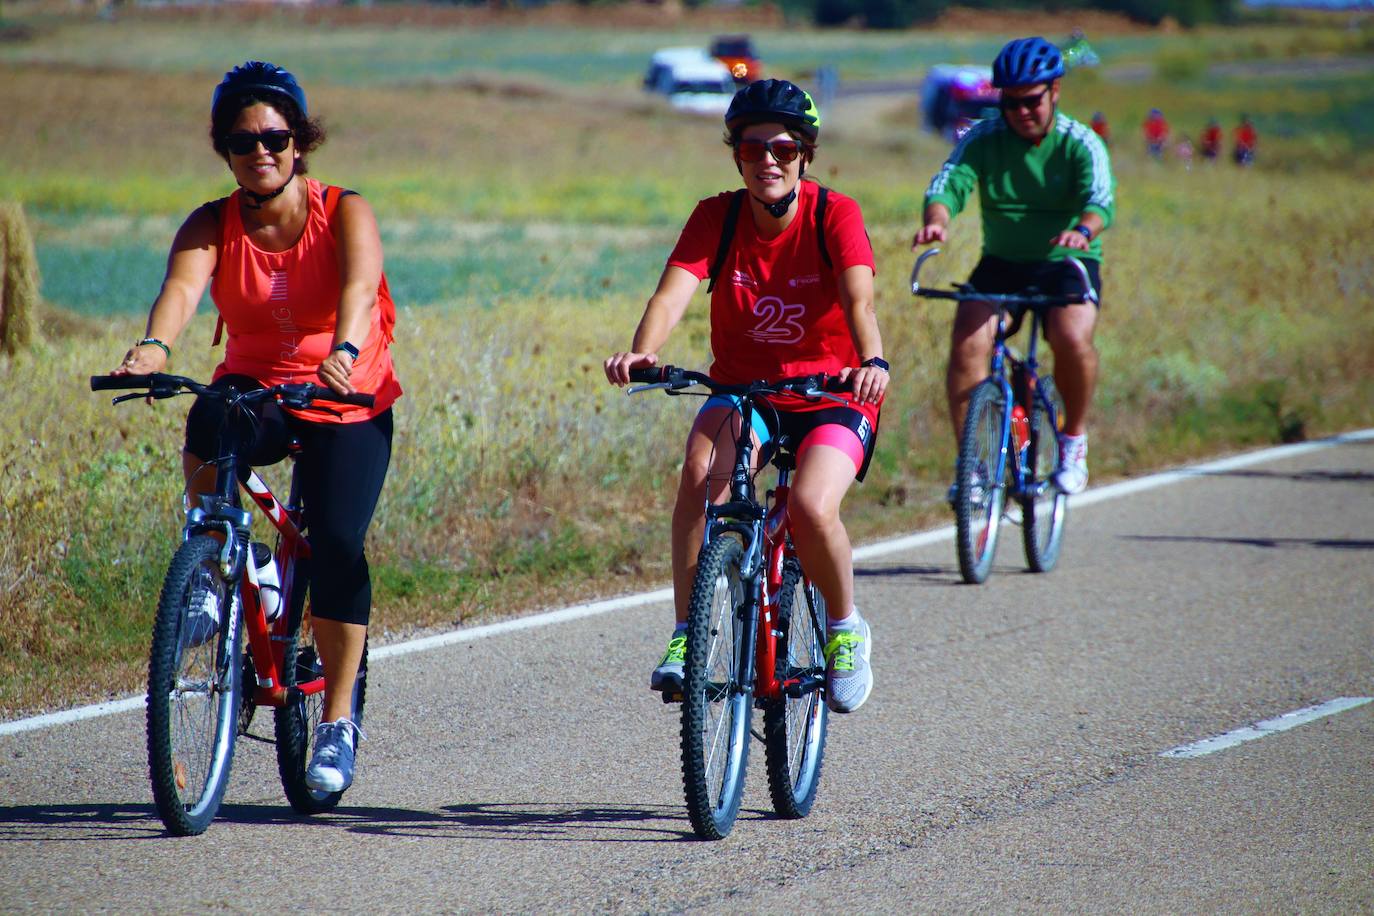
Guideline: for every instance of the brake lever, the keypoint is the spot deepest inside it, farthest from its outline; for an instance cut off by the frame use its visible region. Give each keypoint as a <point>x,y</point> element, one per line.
<point>673,387</point>
<point>815,394</point>
<point>129,397</point>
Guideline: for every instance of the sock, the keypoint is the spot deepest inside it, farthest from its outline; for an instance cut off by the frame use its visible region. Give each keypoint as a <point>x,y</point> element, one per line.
<point>849,623</point>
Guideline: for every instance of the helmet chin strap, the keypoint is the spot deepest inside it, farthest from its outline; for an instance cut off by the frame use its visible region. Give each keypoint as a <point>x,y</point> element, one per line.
<point>779,209</point>
<point>256,200</point>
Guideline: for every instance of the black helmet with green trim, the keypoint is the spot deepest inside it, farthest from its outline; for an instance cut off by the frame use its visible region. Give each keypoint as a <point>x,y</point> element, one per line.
<point>774,101</point>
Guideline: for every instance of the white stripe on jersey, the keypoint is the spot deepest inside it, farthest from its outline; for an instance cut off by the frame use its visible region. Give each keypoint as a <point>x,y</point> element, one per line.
<point>1100,193</point>
<point>940,182</point>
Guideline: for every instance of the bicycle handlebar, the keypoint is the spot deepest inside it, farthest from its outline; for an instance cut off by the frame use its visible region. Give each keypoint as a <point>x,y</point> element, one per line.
<point>674,378</point>
<point>962,292</point>
<point>292,394</point>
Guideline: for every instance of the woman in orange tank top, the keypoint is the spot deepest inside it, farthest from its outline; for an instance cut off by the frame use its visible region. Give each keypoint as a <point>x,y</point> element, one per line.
<point>295,270</point>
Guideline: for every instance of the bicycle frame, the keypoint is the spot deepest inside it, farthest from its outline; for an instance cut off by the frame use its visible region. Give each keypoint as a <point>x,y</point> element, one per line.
<point>767,547</point>
<point>266,641</point>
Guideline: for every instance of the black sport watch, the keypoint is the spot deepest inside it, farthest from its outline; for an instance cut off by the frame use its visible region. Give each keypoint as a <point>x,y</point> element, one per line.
<point>348,348</point>
<point>878,362</point>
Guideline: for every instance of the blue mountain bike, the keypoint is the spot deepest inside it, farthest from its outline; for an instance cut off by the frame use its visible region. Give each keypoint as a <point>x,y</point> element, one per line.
<point>1011,436</point>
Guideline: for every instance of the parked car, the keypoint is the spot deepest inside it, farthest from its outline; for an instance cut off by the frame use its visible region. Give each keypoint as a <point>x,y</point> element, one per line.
<point>703,88</point>
<point>953,97</point>
<point>664,64</point>
<point>737,53</point>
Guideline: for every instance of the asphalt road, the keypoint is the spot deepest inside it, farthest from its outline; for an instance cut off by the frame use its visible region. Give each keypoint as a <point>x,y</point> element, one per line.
<point>1009,759</point>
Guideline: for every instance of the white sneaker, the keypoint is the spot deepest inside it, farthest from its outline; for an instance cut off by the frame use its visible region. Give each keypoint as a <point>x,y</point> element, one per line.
<point>331,765</point>
<point>848,674</point>
<point>202,617</point>
<point>1072,476</point>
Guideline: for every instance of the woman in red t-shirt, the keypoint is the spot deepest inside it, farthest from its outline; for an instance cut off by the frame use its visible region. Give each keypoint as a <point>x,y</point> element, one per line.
<point>780,307</point>
<point>297,279</point>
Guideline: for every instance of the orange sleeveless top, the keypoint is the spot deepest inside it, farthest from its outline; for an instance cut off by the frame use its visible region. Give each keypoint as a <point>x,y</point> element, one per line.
<point>281,307</point>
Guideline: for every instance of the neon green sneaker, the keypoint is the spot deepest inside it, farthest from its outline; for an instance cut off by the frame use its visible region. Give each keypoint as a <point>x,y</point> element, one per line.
<point>667,676</point>
<point>848,675</point>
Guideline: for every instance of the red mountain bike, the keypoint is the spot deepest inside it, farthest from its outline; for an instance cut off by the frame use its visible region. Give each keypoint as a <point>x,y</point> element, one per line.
<point>203,686</point>
<point>755,630</point>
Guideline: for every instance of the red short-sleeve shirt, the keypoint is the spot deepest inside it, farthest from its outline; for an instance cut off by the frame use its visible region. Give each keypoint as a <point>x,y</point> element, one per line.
<point>775,309</point>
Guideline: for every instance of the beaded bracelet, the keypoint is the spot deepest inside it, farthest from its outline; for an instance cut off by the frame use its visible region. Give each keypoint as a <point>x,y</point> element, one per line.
<point>157,343</point>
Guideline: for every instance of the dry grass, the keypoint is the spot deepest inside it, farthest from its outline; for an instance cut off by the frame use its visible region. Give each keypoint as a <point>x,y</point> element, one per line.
<point>1237,312</point>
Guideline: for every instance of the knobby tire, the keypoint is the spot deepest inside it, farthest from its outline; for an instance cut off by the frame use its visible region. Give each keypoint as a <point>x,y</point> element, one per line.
<point>979,498</point>
<point>194,692</point>
<point>715,706</point>
<point>295,723</point>
<point>794,727</point>
<point>1044,516</point>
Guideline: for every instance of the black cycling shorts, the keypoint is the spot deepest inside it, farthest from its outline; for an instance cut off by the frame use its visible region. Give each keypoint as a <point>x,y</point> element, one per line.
<point>1054,278</point>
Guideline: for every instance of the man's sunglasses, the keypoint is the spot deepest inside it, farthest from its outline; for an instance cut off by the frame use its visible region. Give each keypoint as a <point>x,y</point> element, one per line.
<point>245,144</point>
<point>1027,102</point>
<point>782,150</point>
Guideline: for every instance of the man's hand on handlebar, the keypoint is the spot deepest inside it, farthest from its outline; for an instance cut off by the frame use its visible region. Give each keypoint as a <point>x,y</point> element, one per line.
<point>929,234</point>
<point>618,366</point>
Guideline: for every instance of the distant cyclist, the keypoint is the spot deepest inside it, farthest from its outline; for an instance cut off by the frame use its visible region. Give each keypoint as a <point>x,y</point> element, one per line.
<point>793,295</point>
<point>1246,138</point>
<point>1156,130</point>
<point>1100,127</point>
<point>1209,142</point>
<point>1047,193</point>
<point>295,271</point>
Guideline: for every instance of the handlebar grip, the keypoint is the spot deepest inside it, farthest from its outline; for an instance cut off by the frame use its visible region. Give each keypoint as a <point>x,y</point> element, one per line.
<point>649,374</point>
<point>359,399</point>
<point>118,382</point>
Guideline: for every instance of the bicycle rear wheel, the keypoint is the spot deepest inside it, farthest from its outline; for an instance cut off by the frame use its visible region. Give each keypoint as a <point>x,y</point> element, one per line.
<point>296,722</point>
<point>1045,510</point>
<point>794,726</point>
<point>194,688</point>
<point>979,497</point>
<point>715,706</point>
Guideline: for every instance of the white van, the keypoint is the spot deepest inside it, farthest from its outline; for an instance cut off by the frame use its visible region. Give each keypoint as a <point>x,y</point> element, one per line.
<point>691,79</point>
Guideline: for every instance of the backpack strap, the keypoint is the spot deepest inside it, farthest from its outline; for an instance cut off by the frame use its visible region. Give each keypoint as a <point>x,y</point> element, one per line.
<point>822,197</point>
<point>727,236</point>
<point>217,209</point>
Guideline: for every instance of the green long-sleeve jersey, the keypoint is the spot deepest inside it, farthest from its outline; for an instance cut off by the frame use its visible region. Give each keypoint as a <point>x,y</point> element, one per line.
<point>1030,192</point>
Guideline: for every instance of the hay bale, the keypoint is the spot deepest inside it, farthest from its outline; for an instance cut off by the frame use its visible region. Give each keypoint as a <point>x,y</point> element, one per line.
<point>18,281</point>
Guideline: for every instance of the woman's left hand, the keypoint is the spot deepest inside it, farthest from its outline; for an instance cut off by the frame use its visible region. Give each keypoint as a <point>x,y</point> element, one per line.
<point>335,370</point>
<point>868,383</point>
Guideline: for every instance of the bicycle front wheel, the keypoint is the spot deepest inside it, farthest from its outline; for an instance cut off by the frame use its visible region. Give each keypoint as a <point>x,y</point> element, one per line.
<point>716,706</point>
<point>296,722</point>
<point>1045,510</point>
<point>794,725</point>
<point>980,495</point>
<point>194,688</point>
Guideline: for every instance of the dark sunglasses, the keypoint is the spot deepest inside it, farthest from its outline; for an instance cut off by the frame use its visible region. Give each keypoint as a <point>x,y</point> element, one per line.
<point>245,144</point>
<point>781,150</point>
<point>1026,102</point>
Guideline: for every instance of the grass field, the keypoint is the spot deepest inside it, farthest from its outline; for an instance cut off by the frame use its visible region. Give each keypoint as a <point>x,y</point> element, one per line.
<point>528,193</point>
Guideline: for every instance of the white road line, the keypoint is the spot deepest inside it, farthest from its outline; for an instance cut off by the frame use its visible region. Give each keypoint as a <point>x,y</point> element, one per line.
<point>1263,729</point>
<point>896,545</point>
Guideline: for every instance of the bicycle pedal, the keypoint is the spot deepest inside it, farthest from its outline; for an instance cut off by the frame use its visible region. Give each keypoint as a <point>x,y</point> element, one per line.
<point>671,696</point>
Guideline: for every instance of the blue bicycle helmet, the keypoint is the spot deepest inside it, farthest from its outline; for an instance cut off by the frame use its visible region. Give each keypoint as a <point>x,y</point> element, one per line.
<point>1027,62</point>
<point>258,76</point>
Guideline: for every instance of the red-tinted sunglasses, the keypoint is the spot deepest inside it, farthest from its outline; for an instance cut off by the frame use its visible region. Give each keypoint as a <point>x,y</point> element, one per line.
<point>783,151</point>
<point>244,144</point>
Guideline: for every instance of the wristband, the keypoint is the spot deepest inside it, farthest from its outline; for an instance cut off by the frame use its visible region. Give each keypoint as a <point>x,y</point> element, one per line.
<point>1084,231</point>
<point>877,362</point>
<point>156,343</point>
<point>347,348</point>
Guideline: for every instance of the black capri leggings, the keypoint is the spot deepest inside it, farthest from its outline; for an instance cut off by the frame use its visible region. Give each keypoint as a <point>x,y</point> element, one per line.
<point>342,467</point>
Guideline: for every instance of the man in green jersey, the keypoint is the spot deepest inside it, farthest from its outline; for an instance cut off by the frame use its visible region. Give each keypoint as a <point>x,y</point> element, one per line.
<point>1047,193</point>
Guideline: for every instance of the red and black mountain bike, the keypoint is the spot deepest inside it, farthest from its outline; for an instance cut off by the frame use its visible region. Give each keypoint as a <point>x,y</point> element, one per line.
<point>755,630</point>
<point>203,683</point>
